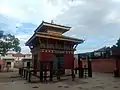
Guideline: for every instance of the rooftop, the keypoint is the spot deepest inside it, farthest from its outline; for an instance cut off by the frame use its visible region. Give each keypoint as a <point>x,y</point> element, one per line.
<point>52,31</point>
<point>46,35</point>
<point>56,27</point>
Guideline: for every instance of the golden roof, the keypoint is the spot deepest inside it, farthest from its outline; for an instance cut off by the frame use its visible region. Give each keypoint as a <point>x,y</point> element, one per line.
<point>52,31</point>
<point>57,37</point>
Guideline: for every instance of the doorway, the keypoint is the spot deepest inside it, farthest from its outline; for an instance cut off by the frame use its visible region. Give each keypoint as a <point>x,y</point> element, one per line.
<point>8,64</point>
<point>59,62</point>
<point>28,64</point>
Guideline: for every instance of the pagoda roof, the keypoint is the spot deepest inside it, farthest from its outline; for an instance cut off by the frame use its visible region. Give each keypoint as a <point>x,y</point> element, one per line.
<point>60,28</point>
<point>57,37</point>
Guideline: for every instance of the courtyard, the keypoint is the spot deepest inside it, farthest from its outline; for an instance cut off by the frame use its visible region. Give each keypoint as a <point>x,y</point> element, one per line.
<point>99,81</point>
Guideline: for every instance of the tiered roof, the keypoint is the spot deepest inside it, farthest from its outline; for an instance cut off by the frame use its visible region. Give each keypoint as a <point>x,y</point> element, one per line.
<point>52,31</point>
<point>45,25</point>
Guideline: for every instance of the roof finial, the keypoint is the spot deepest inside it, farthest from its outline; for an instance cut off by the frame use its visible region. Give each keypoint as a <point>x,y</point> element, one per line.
<point>51,21</point>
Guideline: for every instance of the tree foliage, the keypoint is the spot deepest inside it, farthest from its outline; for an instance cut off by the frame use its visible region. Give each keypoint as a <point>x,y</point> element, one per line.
<point>118,43</point>
<point>9,42</point>
<point>114,46</point>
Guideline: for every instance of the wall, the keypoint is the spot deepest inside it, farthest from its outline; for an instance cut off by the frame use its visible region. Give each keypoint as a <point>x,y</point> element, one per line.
<point>42,56</point>
<point>102,65</point>
<point>46,56</point>
<point>69,61</point>
<point>118,65</point>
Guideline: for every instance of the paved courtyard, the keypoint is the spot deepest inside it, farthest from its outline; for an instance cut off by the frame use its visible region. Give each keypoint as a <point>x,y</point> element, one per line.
<point>11,81</point>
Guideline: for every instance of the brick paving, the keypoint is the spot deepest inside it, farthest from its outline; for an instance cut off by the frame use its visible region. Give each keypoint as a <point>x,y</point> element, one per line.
<point>99,81</point>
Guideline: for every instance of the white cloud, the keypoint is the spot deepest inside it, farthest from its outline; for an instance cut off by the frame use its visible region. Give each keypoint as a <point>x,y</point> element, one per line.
<point>23,39</point>
<point>25,49</point>
<point>113,17</point>
<point>32,11</point>
<point>76,2</point>
<point>116,1</point>
<point>96,21</point>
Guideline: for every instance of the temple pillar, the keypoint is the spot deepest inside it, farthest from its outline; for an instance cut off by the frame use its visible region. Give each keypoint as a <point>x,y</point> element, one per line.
<point>89,67</point>
<point>51,71</point>
<point>41,71</point>
<point>80,67</point>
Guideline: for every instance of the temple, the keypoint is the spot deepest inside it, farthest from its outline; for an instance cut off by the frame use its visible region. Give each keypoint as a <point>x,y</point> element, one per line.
<point>48,44</point>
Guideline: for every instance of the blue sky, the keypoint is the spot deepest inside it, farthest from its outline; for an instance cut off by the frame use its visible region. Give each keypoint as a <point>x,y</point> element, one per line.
<point>96,21</point>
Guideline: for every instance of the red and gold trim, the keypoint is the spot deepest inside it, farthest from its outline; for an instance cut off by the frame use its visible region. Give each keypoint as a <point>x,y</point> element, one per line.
<point>56,51</point>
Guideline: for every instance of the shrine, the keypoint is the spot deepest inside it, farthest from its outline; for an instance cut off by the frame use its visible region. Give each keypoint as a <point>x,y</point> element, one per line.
<point>51,50</point>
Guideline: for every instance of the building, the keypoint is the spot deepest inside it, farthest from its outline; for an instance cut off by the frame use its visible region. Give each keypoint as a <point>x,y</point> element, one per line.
<point>16,60</point>
<point>8,60</point>
<point>1,65</point>
<point>116,56</point>
<point>104,60</point>
<point>48,44</point>
<point>27,60</point>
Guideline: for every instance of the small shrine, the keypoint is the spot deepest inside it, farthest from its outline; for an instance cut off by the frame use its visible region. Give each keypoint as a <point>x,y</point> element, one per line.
<point>51,49</point>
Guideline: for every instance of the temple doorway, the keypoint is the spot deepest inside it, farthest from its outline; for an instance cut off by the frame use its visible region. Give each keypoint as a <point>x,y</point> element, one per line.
<point>58,62</point>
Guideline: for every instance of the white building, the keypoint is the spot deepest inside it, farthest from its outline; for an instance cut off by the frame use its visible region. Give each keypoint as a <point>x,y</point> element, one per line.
<point>16,60</point>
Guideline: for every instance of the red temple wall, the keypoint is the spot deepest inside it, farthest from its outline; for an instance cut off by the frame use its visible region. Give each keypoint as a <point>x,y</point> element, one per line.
<point>68,61</point>
<point>47,56</point>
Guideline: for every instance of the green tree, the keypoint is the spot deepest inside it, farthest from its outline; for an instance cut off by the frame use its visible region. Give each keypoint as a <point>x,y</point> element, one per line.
<point>114,46</point>
<point>118,43</point>
<point>9,42</point>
